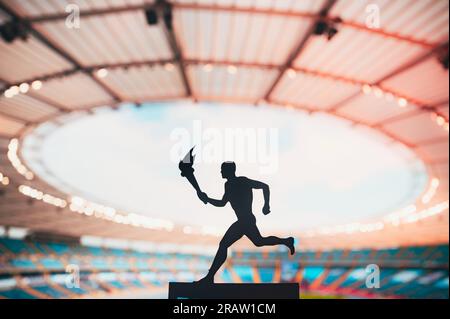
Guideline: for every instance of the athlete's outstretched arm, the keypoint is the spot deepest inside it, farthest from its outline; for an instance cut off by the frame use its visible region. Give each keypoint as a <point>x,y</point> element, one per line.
<point>266,191</point>
<point>218,202</point>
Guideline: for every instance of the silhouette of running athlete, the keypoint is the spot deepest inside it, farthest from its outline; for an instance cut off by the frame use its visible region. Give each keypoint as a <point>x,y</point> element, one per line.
<point>238,192</point>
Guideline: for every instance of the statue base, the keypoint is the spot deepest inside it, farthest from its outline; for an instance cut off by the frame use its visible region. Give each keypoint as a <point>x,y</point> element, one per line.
<point>233,291</point>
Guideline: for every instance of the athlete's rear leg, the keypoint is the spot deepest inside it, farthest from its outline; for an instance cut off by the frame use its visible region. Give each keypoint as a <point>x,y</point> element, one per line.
<point>233,234</point>
<point>259,241</point>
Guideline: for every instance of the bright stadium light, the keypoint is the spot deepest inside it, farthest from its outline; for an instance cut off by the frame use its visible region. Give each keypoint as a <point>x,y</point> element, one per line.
<point>367,89</point>
<point>41,196</point>
<point>428,196</point>
<point>17,232</point>
<point>378,92</point>
<point>36,85</point>
<point>292,74</point>
<point>8,93</point>
<point>207,68</point>
<point>232,69</point>
<point>5,181</point>
<point>14,90</point>
<point>13,157</point>
<point>440,120</point>
<point>24,87</point>
<point>402,102</point>
<point>102,73</point>
<point>169,67</point>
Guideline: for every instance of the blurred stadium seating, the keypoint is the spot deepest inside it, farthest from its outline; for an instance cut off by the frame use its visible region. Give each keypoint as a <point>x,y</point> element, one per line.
<point>311,60</point>
<point>32,269</point>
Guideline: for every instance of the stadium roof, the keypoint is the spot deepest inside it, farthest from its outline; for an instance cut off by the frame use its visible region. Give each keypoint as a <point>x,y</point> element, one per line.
<point>391,79</point>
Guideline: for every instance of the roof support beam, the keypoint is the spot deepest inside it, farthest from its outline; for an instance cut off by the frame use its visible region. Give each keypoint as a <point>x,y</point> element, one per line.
<point>298,50</point>
<point>231,9</point>
<point>55,48</point>
<point>397,71</point>
<point>14,118</point>
<point>413,63</point>
<point>89,69</point>
<point>411,114</point>
<point>186,62</point>
<point>431,141</point>
<point>173,43</point>
<point>37,97</point>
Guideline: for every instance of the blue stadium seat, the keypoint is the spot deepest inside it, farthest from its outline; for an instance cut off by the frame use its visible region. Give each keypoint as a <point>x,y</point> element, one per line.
<point>440,255</point>
<point>16,293</point>
<point>387,254</point>
<point>116,252</point>
<point>141,264</point>
<point>244,272</point>
<point>289,270</point>
<point>402,281</point>
<point>75,290</point>
<point>408,272</point>
<point>22,263</point>
<point>100,264</point>
<point>355,276</point>
<point>336,255</point>
<point>226,276</point>
<point>121,264</point>
<point>116,284</point>
<point>96,251</point>
<point>60,248</point>
<point>137,283</point>
<point>266,274</point>
<point>310,274</point>
<point>50,291</point>
<point>51,263</point>
<point>16,246</point>
<point>333,275</point>
<point>159,265</point>
<point>359,256</point>
<point>385,274</point>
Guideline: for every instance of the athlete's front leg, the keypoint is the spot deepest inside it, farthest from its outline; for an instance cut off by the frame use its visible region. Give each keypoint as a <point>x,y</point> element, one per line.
<point>233,234</point>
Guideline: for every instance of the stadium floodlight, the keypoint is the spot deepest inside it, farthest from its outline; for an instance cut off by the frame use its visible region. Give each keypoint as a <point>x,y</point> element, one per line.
<point>36,85</point>
<point>161,9</point>
<point>332,31</point>
<point>102,73</point>
<point>152,16</point>
<point>320,28</point>
<point>326,26</point>
<point>168,17</point>
<point>12,30</point>
<point>443,59</point>
<point>232,69</point>
<point>402,102</point>
<point>208,67</point>
<point>24,87</point>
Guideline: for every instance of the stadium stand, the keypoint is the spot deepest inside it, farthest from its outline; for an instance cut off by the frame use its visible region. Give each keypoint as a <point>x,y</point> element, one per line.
<point>38,270</point>
<point>385,83</point>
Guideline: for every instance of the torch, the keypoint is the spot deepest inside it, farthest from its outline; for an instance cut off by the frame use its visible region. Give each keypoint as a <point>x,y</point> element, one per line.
<point>187,170</point>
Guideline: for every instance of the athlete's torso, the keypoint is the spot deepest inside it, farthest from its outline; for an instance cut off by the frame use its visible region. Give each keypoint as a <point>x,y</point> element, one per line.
<point>240,195</point>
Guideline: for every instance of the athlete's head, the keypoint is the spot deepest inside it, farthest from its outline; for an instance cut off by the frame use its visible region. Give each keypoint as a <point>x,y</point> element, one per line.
<point>228,169</point>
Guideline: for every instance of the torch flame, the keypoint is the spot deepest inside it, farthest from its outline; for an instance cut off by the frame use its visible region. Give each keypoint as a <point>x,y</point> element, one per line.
<point>189,158</point>
<point>187,171</point>
<point>186,164</point>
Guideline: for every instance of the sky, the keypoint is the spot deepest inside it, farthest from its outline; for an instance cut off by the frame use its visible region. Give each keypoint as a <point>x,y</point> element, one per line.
<point>320,169</point>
